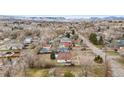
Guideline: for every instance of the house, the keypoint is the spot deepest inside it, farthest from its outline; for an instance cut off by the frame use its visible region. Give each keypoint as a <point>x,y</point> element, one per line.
<point>9,54</point>
<point>119,44</point>
<point>46,49</point>
<point>16,46</point>
<point>77,43</point>
<point>121,51</point>
<point>63,49</point>
<point>6,39</point>
<point>64,57</point>
<point>60,36</point>
<point>4,47</point>
<point>35,39</point>
<point>66,42</point>
<point>50,41</point>
<point>48,46</point>
<point>65,39</point>
<point>6,54</point>
<point>28,40</point>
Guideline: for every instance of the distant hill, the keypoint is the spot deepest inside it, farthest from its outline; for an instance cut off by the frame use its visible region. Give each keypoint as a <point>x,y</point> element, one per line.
<point>107,18</point>
<point>39,18</point>
<point>114,18</point>
<point>32,18</point>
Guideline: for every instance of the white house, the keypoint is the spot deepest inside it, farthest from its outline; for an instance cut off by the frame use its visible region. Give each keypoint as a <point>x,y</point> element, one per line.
<point>28,40</point>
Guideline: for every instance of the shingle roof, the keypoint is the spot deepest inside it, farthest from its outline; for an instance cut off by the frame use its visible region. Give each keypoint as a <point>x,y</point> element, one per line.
<point>65,40</point>
<point>63,49</point>
<point>64,56</point>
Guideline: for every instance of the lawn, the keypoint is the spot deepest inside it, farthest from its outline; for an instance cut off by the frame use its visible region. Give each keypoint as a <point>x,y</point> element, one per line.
<point>78,71</point>
<point>121,61</point>
<point>112,53</point>
<point>99,46</point>
<point>98,71</point>
<point>14,50</point>
<point>37,72</point>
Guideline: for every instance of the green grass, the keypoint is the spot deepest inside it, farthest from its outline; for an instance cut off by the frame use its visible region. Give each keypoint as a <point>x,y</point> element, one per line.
<point>121,61</point>
<point>98,71</point>
<point>15,50</point>
<point>112,53</point>
<point>10,57</point>
<point>37,72</point>
<point>99,46</point>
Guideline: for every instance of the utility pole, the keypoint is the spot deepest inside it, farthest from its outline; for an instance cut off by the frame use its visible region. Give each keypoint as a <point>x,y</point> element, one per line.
<point>86,70</point>
<point>106,62</point>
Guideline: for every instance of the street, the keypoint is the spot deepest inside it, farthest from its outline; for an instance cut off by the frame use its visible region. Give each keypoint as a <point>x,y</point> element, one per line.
<point>117,70</point>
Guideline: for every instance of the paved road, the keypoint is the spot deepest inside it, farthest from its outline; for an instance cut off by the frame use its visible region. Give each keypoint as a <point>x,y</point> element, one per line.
<point>116,68</point>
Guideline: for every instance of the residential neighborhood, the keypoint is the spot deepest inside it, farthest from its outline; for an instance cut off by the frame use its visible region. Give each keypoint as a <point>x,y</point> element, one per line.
<point>61,48</point>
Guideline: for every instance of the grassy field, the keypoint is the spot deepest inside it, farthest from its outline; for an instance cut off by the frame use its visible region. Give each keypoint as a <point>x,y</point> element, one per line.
<point>37,72</point>
<point>97,70</point>
<point>77,71</point>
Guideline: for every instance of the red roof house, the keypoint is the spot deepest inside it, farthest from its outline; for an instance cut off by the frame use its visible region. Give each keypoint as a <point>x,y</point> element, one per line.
<point>64,57</point>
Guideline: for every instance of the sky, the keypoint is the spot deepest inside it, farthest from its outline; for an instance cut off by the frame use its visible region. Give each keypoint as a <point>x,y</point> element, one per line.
<point>62,7</point>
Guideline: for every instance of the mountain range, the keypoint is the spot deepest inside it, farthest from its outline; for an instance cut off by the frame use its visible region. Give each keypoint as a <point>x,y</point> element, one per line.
<point>50,18</point>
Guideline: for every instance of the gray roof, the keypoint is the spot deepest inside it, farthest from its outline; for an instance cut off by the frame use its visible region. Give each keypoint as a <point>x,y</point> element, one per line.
<point>63,49</point>
<point>120,43</point>
<point>28,40</point>
<point>65,39</point>
<point>44,50</point>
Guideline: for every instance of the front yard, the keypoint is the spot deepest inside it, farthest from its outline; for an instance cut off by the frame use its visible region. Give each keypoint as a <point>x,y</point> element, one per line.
<point>112,53</point>
<point>121,61</point>
<point>77,71</point>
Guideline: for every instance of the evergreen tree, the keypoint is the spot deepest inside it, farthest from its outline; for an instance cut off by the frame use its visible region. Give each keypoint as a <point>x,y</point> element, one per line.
<point>73,31</point>
<point>52,56</point>
<point>68,35</point>
<point>98,59</point>
<point>93,38</point>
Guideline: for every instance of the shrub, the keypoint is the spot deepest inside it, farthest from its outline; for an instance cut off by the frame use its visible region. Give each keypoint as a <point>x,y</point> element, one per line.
<point>75,37</point>
<point>98,59</point>
<point>73,31</point>
<point>68,35</point>
<point>52,56</point>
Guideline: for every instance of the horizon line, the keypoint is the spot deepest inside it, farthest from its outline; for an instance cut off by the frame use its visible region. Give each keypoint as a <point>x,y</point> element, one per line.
<point>67,16</point>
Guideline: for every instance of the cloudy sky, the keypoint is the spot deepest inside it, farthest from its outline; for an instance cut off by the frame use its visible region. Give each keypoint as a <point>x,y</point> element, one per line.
<point>61,7</point>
